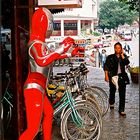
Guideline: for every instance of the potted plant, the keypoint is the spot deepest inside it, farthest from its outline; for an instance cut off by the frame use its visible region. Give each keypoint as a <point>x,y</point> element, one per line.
<point>134,73</point>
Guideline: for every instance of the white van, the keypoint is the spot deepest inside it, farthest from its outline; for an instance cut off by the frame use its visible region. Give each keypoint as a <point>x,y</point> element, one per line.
<point>127,36</point>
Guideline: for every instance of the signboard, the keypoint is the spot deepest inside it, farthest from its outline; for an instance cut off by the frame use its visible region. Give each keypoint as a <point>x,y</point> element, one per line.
<point>56,4</point>
<point>83,41</point>
<point>80,41</point>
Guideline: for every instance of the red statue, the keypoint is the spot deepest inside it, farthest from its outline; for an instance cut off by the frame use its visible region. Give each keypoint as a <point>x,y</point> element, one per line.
<point>39,110</point>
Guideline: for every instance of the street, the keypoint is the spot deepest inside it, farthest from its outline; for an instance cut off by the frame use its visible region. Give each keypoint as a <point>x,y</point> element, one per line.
<point>115,127</point>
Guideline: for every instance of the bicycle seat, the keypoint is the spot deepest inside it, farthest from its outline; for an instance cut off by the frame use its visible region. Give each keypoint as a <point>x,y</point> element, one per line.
<point>58,78</point>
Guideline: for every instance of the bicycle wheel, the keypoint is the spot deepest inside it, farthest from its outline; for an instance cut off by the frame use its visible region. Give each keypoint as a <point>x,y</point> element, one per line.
<point>97,98</point>
<point>89,101</point>
<point>6,114</point>
<point>94,106</point>
<point>104,96</point>
<point>90,128</point>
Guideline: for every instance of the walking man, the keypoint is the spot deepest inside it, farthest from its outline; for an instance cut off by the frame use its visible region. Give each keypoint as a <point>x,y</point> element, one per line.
<point>115,66</point>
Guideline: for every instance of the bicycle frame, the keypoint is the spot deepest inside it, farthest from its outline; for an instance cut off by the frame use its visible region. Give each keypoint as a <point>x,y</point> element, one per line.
<point>68,101</point>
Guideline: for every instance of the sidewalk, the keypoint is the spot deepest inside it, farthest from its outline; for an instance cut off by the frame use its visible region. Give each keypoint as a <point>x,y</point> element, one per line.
<point>114,126</point>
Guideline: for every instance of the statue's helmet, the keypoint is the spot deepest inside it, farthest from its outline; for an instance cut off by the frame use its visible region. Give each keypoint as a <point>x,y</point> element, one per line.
<point>42,24</point>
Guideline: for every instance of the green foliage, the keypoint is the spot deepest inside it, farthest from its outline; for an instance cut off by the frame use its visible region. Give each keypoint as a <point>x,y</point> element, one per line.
<point>134,69</point>
<point>133,4</point>
<point>113,13</point>
<point>96,33</point>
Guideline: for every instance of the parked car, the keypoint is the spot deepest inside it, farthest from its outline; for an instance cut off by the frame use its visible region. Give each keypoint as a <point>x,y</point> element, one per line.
<point>98,44</point>
<point>107,44</point>
<point>121,35</point>
<point>127,37</point>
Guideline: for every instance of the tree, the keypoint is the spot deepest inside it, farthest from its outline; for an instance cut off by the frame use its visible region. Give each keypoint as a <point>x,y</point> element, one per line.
<point>133,4</point>
<point>113,13</point>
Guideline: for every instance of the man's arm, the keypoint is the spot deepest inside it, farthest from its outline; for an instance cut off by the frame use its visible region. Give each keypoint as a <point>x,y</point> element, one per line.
<point>106,69</point>
<point>125,59</point>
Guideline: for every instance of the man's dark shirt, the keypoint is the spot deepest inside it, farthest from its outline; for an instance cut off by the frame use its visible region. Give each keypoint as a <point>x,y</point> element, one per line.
<point>111,64</point>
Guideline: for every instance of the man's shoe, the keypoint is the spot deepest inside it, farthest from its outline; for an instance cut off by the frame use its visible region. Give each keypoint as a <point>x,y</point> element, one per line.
<point>122,114</point>
<point>112,106</point>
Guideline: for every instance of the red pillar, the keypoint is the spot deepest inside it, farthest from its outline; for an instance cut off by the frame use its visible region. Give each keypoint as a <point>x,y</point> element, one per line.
<point>20,33</point>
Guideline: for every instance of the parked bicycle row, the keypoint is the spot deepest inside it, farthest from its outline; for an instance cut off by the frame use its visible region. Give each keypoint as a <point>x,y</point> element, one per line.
<point>81,106</point>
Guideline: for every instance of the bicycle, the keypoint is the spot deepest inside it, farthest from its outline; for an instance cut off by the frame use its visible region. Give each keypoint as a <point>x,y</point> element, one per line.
<point>74,87</point>
<point>77,115</point>
<point>98,93</point>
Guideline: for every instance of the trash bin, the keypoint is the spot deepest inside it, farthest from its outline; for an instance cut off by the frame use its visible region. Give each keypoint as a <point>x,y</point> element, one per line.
<point>134,73</point>
<point>134,77</point>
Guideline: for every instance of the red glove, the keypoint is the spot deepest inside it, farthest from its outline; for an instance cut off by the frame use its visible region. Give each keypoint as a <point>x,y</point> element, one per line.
<point>77,50</point>
<point>67,42</point>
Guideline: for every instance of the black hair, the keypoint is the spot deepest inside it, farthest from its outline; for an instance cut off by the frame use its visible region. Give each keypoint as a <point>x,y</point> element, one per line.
<point>118,43</point>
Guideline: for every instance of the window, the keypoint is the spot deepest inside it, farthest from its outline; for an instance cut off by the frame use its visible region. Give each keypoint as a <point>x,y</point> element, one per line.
<point>57,26</point>
<point>70,26</point>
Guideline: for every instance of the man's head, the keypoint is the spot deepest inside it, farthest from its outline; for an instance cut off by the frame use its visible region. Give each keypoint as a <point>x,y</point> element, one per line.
<point>103,51</point>
<point>118,48</point>
<point>125,43</point>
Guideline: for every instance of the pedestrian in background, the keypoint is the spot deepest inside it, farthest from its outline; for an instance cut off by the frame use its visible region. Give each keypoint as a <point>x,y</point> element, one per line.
<point>97,58</point>
<point>127,50</point>
<point>92,58</point>
<point>103,57</point>
<point>115,66</point>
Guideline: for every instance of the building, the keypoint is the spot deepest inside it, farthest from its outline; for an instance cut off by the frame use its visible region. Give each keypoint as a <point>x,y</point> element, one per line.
<point>72,21</point>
